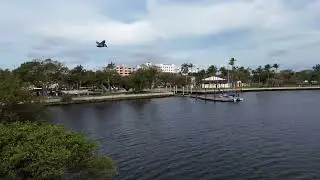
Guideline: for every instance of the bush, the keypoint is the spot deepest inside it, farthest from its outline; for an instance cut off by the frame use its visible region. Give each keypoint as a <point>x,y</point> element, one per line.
<point>23,112</point>
<point>44,151</point>
<point>66,98</point>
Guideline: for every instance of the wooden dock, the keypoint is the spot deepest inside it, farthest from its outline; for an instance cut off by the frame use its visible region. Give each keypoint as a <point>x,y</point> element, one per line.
<point>214,98</point>
<point>212,91</point>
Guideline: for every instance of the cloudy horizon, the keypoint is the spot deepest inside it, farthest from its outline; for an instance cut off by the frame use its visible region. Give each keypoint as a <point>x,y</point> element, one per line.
<point>202,32</point>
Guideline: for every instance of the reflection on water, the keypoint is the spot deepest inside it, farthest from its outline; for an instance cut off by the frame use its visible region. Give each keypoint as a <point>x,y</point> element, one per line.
<point>270,135</point>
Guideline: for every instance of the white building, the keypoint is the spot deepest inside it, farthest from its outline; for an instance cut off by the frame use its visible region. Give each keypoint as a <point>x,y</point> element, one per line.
<point>193,70</point>
<point>145,65</point>
<point>214,82</point>
<point>168,68</point>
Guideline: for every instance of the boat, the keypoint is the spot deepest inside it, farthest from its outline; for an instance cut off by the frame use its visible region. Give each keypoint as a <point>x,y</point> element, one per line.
<point>232,96</point>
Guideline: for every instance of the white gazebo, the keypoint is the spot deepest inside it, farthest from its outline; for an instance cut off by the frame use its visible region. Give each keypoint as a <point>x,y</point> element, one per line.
<point>214,82</point>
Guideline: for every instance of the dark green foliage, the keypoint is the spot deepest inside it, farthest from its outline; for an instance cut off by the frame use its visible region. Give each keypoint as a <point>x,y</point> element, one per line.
<point>185,68</point>
<point>66,98</point>
<point>39,150</point>
<point>45,151</point>
<point>16,103</point>
<point>127,83</point>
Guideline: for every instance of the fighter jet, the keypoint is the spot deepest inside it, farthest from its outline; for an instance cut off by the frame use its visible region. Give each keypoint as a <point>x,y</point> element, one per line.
<point>101,44</point>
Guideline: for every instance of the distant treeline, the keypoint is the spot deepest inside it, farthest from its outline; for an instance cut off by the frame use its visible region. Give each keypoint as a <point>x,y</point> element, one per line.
<point>45,73</point>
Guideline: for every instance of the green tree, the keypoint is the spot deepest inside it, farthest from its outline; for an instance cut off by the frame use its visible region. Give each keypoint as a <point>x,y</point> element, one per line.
<point>199,76</point>
<point>316,68</point>
<point>223,71</point>
<point>232,62</point>
<point>127,82</point>
<point>276,67</point>
<point>185,68</point>
<point>258,74</point>
<point>212,70</point>
<point>111,65</point>
<point>45,151</point>
<point>42,73</point>
<point>140,80</point>
<point>16,101</point>
<point>267,71</point>
<point>77,76</point>
<point>38,150</point>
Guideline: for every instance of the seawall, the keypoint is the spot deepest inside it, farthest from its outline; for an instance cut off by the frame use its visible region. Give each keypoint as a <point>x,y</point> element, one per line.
<point>97,99</point>
<point>202,91</point>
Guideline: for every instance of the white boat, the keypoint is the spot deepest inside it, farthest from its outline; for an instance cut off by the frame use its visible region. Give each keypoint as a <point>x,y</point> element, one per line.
<point>232,97</point>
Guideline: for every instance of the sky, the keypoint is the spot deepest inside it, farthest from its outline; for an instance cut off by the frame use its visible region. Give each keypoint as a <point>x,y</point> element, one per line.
<point>202,32</point>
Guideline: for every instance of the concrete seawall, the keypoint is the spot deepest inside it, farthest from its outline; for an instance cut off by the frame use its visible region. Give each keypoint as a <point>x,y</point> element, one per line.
<point>96,99</point>
<point>202,91</point>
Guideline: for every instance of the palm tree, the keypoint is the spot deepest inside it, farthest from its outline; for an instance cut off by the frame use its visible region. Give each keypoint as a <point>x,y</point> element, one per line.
<point>276,66</point>
<point>111,65</point>
<point>223,71</point>
<point>267,69</point>
<point>185,68</point>
<point>316,68</point>
<point>231,63</point>
<point>212,70</point>
<point>259,72</point>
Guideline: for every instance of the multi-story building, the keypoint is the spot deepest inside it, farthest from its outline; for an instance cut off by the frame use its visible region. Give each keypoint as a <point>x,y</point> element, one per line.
<point>168,68</point>
<point>124,70</point>
<point>145,65</point>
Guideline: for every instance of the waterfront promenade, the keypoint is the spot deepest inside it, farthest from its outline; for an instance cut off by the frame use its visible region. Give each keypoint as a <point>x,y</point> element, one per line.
<point>202,91</point>
<point>159,93</point>
<point>88,99</point>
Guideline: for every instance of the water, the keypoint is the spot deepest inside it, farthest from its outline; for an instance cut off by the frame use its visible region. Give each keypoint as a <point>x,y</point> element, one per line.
<point>270,135</point>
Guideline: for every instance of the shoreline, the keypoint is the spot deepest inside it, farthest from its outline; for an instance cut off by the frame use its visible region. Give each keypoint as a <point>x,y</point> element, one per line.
<point>202,91</point>
<point>119,97</point>
<point>100,99</point>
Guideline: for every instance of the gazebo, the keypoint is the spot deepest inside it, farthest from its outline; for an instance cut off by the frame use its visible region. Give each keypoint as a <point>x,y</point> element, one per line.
<point>214,82</point>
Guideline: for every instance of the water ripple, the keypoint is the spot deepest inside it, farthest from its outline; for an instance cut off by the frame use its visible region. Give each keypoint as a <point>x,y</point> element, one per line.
<point>268,136</point>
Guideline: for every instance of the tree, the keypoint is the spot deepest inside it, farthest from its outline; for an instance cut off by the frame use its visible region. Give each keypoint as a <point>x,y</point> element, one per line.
<point>232,62</point>
<point>212,70</point>
<point>77,75</point>
<point>30,72</point>
<point>41,73</point>
<point>259,74</point>
<point>276,67</point>
<point>38,150</point>
<point>140,80</point>
<point>127,83</point>
<point>150,75</point>
<point>267,69</point>
<point>199,76</point>
<point>316,68</point>
<point>185,68</point>
<point>111,65</point>
<point>16,101</point>
<point>45,151</point>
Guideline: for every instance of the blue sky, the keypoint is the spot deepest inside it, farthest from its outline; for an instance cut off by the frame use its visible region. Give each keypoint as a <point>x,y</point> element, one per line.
<point>203,32</point>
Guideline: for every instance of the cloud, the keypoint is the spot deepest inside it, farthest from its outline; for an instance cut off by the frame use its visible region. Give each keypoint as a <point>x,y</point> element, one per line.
<point>204,32</point>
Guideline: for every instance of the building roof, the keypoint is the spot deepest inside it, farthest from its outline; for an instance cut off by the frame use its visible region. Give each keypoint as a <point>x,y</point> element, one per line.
<point>213,78</point>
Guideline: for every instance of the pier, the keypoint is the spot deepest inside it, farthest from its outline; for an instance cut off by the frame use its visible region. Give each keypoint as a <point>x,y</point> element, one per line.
<point>217,99</point>
<point>213,91</point>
